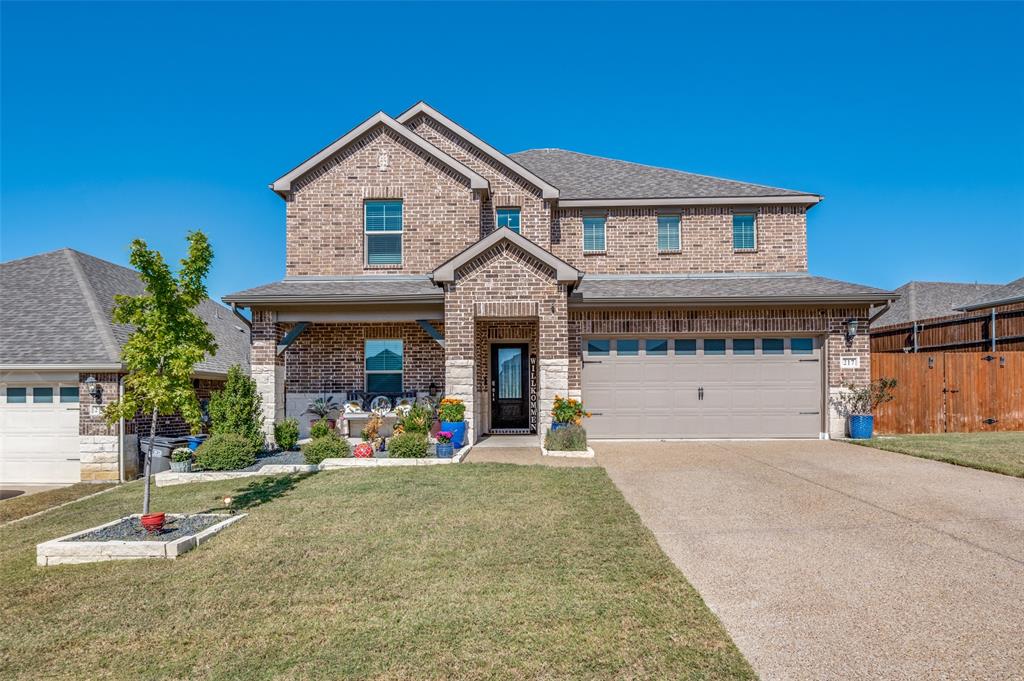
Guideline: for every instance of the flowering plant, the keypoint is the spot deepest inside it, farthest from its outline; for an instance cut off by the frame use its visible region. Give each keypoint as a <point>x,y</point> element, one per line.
<point>568,410</point>
<point>182,454</point>
<point>451,410</point>
<point>444,437</point>
<point>363,450</point>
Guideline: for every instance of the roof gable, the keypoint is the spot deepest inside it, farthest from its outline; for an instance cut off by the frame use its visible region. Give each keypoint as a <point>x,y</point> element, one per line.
<point>563,271</point>
<point>1000,295</point>
<point>592,180</point>
<point>548,191</point>
<point>929,299</point>
<point>283,184</point>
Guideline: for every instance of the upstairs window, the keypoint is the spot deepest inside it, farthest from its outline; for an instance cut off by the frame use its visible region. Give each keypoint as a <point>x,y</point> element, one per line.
<point>383,226</point>
<point>383,366</point>
<point>509,217</point>
<point>668,233</point>
<point>743,232</point>
<point>593,235</point>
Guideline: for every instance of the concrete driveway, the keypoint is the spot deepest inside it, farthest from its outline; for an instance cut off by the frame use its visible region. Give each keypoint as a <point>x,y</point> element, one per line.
<point>825,560</point>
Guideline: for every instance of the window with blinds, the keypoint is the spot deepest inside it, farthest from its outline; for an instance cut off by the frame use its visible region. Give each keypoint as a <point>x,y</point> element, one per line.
<point>383,228</point>
<point>743,232</point>
<point>668,233</point>
<point>593,235</point>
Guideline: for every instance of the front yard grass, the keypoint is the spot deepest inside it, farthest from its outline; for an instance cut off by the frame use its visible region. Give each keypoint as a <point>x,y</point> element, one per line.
<point>996,452</point>
<point>27,504</point>
<point>484,571</point>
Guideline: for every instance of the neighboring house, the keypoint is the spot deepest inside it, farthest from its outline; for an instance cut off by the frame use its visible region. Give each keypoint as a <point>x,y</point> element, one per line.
<point>421,259</point>
<point>60,365</point>
<point>933,316</point>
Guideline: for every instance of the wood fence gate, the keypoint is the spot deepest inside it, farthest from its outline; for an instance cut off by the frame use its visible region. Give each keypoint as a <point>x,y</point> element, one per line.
<point>951,392</point>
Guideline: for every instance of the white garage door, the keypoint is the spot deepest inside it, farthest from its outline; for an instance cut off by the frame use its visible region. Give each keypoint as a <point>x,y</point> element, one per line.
<point>39,433</point>
<point>702,387</point>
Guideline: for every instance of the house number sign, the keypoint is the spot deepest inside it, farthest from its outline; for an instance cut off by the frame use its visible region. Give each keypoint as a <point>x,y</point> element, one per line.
<point>849,362</point>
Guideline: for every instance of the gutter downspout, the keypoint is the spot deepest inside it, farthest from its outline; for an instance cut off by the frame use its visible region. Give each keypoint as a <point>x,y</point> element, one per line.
<point>242,317</point>
<point>120,432</point>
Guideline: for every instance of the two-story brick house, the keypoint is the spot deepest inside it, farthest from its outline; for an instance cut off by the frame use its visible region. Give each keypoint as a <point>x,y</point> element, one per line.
<point>420,258</point>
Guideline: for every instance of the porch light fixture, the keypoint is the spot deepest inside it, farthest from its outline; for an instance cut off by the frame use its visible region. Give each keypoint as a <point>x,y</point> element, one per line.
<point>851,329</point>
<point>95,389</point>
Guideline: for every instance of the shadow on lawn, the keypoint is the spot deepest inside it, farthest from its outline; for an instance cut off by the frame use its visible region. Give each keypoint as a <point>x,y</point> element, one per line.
<point>262,490</point>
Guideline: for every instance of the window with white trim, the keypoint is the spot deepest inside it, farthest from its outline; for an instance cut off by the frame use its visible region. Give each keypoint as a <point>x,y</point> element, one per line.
<point>668,233</point>
<point>593,235</point>
<point>383,365</point>
<point>383,230</point>
<point>744,232</point>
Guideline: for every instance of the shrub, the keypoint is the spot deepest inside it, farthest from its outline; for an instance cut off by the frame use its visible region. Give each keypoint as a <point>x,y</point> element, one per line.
<point>181,454</point>
<point>418,420</point>
<point>571,438</point>
<point>855,400</point>
<point>451,410</point>
<point>408,446</point>
<point>225,452</point>
<point>320,429</point>
<point>329,447</point>
<point>238,409</point>
<point>286,433</point>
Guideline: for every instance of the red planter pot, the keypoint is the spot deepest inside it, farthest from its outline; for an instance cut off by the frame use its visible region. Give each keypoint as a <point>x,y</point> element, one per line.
<point>153,522</point>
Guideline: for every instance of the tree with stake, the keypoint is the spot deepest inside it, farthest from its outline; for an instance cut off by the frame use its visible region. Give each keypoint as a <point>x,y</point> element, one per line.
<point>169,339</point>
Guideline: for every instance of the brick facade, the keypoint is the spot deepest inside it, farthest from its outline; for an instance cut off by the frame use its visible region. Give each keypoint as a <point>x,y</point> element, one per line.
<point>631,241</point>
<point>325,209</point>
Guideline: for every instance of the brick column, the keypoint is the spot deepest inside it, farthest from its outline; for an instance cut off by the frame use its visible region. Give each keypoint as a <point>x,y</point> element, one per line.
<point>268,367</point>
<point>459,343</point>
<point>553,358</point>
<point>838,346</point>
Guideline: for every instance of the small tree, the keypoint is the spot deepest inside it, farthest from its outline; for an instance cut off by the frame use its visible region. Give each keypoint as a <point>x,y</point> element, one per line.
<point>168,340</point>
<point>238,408</point>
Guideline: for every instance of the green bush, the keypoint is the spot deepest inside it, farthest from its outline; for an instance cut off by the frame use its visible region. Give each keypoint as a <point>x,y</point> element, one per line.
<point>286,434</point>
<point>320,429</point>
<point>329,447</point>
<point>225,452</point>
<point>418,420</point>
<point>570,438</point>
<point>408,446</point>
<point>238,409</point>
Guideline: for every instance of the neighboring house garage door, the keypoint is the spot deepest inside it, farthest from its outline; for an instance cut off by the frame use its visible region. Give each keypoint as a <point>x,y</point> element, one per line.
<point>702,388</point>
<point>39,433</point>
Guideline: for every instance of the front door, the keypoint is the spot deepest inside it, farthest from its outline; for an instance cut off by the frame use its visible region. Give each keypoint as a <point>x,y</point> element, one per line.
<point>509,393</point>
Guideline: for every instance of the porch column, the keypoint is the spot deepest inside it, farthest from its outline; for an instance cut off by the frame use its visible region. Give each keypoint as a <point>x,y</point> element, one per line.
<point>268,368</point>
<point>459,346</point>
<point>553,363</point>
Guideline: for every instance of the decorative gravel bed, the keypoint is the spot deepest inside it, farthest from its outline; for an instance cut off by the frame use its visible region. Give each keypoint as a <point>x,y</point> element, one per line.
<point>130,529</point>
<point>276,459</point>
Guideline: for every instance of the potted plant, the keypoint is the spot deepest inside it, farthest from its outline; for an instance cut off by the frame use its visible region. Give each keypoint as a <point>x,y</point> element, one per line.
<point>153,522</point>
<point>857,403</point>
<point>181,460</point>
<point>322,408</point>
<point>567,411</point>
<point>452,413</point>
<point>444,448</point>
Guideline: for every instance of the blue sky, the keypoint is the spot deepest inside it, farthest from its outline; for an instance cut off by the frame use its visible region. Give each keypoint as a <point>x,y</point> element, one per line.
<point>147,120</point>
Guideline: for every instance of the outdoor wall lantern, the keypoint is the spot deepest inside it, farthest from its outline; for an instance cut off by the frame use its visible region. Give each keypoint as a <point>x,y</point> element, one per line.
<point>851,330</point>
<point>95,389</point>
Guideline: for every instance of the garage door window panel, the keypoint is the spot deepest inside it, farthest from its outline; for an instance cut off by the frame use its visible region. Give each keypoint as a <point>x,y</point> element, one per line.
<point>17,395</point>
<point>714,346</point>
<point>773,346</point>
<point>656,347</point>
<point>686,346</point>
<point>743,346</point>
<point>41,395</point>
<point>598,347</point>
<point>802,346</point>
<point>627,347</point>
<point>69,395</point>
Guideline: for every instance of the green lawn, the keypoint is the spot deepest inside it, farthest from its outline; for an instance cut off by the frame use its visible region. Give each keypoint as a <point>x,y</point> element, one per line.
<point>27,504</point>
<point>996,452</point>
<point>469,571</point>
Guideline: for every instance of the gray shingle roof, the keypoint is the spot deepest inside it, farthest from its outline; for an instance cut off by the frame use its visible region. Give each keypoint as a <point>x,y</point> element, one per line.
<point>57,308</point>
<point>581,176</point>
<point>929,299</point>
<point>366,288</point>
<point>1000,295</point>
<point>724,288</point>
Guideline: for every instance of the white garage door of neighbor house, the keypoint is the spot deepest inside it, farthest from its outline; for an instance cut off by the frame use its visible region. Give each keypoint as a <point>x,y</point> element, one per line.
<point>39,433</point>
<point>702,387</point>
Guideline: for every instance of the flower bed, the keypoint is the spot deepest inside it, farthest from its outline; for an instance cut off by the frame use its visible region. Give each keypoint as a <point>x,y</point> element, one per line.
<point>124,539</point>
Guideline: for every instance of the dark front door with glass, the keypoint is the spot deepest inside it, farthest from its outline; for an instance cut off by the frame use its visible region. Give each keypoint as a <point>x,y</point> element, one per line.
<point>510,407</point>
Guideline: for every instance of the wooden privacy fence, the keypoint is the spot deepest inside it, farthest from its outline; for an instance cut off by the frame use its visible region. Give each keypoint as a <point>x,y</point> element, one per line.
<point>951,392</point>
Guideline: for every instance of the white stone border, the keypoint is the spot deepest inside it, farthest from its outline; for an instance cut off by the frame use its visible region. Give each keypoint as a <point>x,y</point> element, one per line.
<point>62,551</point>
<point>352,462</point>
<point>168,478</point>
<point>589,454</point>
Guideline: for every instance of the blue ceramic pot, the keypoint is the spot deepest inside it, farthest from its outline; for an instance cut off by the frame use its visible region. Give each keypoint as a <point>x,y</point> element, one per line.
<point>862,426</point>
<point>457,429</point>
<point>444,450</point>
